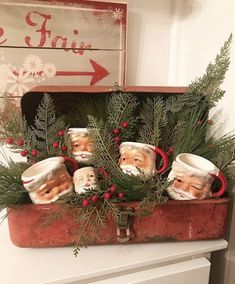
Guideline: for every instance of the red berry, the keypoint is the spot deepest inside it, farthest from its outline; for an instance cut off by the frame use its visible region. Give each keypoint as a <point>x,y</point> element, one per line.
<point>85,202</point>
<point>20,142</point>
<point>170,150</point>
<point>34,153</point>
<point>55,144</point>
<point>60,133</point>
<point>63,148</point>
<point>23,153</point>
<point>121,195</point>
<point>125,124</point>
<point>113,188</point>
<point>9,140</point>
<point>116,139</point>
<point>107,195</point>
<point>94,198</point>
<point>116,131</point>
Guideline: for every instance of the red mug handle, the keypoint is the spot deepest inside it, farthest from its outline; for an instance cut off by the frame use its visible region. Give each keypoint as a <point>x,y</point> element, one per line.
<point>223,186</point>
<point>73,163</point>
<point>164,157</point>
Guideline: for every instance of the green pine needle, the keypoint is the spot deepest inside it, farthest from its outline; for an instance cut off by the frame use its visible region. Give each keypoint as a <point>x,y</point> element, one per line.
<point>207,86</point>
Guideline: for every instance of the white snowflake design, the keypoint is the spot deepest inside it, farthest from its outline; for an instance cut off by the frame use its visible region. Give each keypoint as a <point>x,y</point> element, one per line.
<point>49,70</point>
<point>33,64</point>
<point>16,82</point>
<point>19,82</point>
<point>118,14</point>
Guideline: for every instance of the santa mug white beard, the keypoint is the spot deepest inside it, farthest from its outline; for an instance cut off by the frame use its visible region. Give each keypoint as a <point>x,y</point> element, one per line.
<point>139,159</point>
<point>85,179</point>
<point>192,177</point>
<point>82,146</point>
<point>48,179</point>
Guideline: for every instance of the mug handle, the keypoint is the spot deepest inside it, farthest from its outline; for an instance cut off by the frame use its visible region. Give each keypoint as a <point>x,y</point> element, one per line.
<point>223,186</point>
<point>164,157</point>
<point>73,163</point>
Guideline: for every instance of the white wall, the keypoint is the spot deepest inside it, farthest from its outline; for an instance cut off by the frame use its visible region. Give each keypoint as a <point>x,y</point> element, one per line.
<point>148,42</point>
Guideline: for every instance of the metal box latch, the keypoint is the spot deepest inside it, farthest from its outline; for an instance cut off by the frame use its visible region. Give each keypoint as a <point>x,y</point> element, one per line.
<point>124,220</point>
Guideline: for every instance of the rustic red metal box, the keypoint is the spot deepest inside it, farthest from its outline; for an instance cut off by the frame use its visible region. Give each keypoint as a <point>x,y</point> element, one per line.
<point>31,226</point>
<point>173,221</point>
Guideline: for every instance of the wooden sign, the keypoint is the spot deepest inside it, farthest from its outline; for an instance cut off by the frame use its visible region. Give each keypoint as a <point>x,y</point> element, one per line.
<point>61,43</point>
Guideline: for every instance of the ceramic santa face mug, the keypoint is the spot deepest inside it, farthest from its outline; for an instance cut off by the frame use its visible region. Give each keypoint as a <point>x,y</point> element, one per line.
<point>138,159</point>
<point>85,179</point>
<point>192,177</point>
<point>82,146</point>
<point>48,179</point>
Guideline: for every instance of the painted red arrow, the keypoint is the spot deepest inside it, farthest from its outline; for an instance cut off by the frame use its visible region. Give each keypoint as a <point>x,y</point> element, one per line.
<point>98,74</point>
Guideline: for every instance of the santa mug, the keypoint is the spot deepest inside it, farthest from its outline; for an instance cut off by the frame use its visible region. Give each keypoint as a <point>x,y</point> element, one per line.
<point>48,179</point>
<point>82,145</point>
<point>85,179</point>
<point>192,177</point>
<point>140,159</point>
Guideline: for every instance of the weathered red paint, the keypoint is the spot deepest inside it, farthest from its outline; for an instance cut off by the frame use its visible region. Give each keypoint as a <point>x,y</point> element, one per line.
<point>175,220</point>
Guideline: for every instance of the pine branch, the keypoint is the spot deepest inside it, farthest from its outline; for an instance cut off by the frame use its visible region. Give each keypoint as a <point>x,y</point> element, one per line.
<point>122,107</point>
<point>11,188</point>
<point>192,133</point>
<point>76,115</point>
<point>104,155</point>
<point>207,86</point>
<point>45,129</point>
<point>44,120</point>
<point>91,219</point>
<point>154,117</point>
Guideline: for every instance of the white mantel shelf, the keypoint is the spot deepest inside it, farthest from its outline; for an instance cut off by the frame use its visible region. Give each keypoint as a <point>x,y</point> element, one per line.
<point>58,265</point>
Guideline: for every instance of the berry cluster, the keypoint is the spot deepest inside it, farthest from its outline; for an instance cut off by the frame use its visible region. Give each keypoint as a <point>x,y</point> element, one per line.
<point>111,192</point>
<point>27,152</point>
<point>117,131</point>
<point>58,144</point>
<point>21,143</point>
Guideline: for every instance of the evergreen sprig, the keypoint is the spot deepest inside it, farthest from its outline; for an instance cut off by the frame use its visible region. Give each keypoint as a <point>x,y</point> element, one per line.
<point>155,189</point>
<point>207,86</point>
<point>91,219</point>
<point>190,133</point>
<point>85,105</point>
<point>104,155</point>
<point>11,188</point>
<point>122,107</point>
<point>154,117</point>
<point>221,151</point>
<point>46,126</point>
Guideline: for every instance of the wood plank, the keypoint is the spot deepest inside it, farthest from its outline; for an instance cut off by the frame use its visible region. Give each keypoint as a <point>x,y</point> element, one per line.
<point>110,88</point>
<point>22,69</point>
<point>64,24</point>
